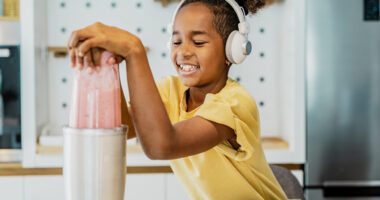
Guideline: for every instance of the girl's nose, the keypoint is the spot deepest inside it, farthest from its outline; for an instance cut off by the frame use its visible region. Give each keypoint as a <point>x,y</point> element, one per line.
<point>185,50</point>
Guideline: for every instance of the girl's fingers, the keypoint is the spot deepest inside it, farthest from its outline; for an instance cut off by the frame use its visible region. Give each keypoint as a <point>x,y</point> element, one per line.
<point>111,61</point>
<point>115,60</point>
<point>96,55</point>
<point>78,36</point>
<point>72,57</point>
<point>119,59</point>
<point>88,60</point>
<point>79,59</point>
<point>87,45</point>
<point>81,42</point>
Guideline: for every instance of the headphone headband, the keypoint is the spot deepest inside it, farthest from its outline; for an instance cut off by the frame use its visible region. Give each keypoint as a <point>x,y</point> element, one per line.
<point>243,25</point>
<point>238,10</point>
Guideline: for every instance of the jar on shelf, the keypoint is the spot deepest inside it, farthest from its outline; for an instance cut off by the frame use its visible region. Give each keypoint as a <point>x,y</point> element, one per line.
<point>11,8</point>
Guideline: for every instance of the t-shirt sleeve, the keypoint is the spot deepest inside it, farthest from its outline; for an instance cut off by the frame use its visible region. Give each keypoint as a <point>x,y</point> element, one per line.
<point>163,89</point>
<point>239,116</point>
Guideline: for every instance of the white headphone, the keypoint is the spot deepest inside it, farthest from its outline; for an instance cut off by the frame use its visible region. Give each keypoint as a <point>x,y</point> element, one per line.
<point>237,46</point>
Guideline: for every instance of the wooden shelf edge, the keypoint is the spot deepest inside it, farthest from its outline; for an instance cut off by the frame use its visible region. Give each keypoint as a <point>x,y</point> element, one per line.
<point>273,143</point>
<point>58,51</point>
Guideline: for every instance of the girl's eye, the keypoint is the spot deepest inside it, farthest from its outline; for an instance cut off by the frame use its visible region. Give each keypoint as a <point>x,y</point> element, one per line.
<point>176,43</point>
<point>199,43</point>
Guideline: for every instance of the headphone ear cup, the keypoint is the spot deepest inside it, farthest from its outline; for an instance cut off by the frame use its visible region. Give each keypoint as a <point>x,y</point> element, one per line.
<point>235,47</point>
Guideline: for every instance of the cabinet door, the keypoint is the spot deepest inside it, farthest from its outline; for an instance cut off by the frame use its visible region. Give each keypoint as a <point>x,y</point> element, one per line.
<point>145,187</point>
<point>43,188</point>
<point>11,188</point>
<point>174,189</point>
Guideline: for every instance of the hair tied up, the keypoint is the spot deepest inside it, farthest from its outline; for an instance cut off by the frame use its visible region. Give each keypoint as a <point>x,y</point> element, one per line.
<point>251,6</point>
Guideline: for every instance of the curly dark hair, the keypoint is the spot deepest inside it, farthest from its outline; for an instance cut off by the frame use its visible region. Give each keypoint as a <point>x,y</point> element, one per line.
<point>225,18</point>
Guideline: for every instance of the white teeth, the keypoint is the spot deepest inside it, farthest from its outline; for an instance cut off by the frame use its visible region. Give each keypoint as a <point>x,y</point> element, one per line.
<point>187,68</point>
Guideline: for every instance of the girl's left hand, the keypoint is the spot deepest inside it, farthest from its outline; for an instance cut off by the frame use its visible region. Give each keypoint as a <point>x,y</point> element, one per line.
<point>88,43</point>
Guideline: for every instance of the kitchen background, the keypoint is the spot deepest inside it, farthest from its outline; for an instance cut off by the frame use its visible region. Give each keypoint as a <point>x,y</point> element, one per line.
<point>314,73</point>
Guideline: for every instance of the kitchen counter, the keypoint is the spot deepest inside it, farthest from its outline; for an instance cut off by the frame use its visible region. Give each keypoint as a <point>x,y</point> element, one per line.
<point>16,169</point>
<point>137,162</point>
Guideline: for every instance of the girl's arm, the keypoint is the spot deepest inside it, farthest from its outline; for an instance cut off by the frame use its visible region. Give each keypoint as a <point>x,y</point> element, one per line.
<point>126,116</point>
<point>159,138</point>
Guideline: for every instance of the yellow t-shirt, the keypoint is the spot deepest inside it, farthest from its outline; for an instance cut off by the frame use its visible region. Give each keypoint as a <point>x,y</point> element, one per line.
<point>223,173</point>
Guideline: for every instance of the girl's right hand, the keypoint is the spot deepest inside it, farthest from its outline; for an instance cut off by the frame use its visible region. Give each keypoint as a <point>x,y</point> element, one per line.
<point>88,44</point>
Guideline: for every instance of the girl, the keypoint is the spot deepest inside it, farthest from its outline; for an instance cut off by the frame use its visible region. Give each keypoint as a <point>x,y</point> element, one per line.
<point>206,124</point>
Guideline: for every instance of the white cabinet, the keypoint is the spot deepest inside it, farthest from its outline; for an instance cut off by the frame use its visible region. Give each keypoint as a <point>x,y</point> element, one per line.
<point>157,186</point>
<point>11,188</point>
<point>145,187</point>
<point>43,188</point>
<point>174,189</point>
<point>154,186</point>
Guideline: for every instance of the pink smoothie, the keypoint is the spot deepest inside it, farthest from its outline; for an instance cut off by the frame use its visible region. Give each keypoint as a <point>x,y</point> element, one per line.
<point>96,101</point>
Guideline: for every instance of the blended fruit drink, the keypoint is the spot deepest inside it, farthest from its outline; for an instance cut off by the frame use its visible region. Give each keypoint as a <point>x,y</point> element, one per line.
<point>96,99</point>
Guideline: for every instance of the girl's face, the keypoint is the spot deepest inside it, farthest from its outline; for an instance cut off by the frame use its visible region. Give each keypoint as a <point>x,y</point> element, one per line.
<point>197,49</point>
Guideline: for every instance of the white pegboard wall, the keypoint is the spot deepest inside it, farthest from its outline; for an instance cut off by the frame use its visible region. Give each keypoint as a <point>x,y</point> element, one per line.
<point>146,19</point>
<point>261,73</point>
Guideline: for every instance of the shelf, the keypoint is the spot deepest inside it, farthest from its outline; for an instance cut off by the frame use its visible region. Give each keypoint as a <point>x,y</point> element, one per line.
<point>274,143</point>
<point>58,51</point>
<point>2,18</point>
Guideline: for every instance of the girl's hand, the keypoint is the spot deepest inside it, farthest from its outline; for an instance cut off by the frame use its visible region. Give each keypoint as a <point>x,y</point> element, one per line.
<point>88,43</point>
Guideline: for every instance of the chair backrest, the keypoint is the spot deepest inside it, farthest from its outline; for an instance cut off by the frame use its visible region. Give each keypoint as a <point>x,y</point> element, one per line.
<point>288,182</point>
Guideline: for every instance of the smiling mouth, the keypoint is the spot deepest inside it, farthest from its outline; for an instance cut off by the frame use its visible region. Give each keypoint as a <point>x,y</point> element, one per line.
<point>188,68</point>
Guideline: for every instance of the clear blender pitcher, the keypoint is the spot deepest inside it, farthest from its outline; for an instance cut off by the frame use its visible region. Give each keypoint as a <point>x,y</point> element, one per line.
<point>96,97</point>
<point>95,141</point>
